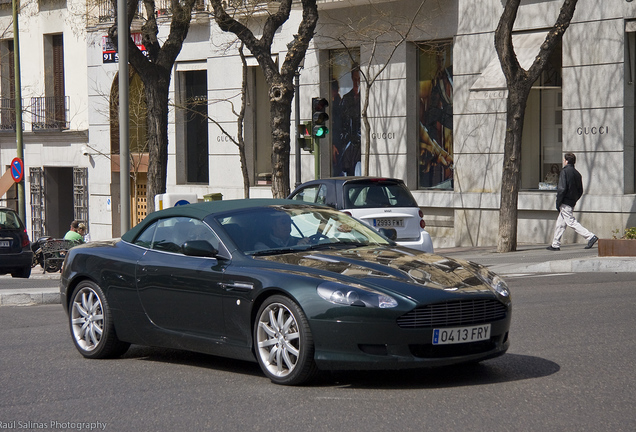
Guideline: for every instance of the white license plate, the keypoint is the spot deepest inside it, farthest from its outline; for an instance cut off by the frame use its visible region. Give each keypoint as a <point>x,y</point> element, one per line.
<point>458,335</point>
<point>388,223</point>
<point>5,243</point>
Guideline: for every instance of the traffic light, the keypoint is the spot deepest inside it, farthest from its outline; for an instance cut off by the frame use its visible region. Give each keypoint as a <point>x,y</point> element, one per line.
<point>319,117</point>
<point>304,136</point>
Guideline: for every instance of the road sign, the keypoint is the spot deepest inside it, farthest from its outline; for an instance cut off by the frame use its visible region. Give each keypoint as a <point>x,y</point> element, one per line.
<point>17,170</point>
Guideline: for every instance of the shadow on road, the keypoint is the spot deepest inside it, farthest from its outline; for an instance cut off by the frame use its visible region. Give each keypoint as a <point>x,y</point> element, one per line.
<point>509,367</point>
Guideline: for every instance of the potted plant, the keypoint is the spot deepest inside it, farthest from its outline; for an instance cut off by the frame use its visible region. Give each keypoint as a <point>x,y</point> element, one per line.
<point>619,246</point>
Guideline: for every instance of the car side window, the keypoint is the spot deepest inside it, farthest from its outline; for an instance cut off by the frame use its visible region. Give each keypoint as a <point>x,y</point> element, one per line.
<point>172,233</point>
<point>145,238</point>
<point>312,194</point>
<point>321,197</point>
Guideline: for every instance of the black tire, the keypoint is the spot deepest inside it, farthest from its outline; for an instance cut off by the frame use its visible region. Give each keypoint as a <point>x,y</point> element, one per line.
<point>283,343</point>
<point>24,273</point>
<point>91,323</point>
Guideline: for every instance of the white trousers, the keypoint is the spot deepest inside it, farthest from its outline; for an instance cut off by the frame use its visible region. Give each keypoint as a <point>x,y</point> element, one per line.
<point>566,218</point>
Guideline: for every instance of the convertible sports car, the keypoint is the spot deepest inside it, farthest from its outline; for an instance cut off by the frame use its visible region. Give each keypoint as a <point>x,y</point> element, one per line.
<point>297,287</point>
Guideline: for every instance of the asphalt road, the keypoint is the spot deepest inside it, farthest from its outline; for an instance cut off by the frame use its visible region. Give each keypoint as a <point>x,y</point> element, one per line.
<point>570,368</point>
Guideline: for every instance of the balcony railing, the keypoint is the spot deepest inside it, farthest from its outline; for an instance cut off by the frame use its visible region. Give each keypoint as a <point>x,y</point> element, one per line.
<point>49,113</point>
<point>7,115</point>
<point>106,9</point>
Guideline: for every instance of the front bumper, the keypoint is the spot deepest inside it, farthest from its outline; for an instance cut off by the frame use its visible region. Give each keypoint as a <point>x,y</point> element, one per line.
<point>375,346</point>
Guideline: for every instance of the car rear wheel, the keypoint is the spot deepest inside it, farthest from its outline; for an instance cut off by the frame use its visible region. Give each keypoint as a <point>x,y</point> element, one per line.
<point>91,323</point>
<point>283,342</point>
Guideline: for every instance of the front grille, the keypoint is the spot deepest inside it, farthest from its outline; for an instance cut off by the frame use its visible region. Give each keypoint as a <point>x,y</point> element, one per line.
<point>456,313</point>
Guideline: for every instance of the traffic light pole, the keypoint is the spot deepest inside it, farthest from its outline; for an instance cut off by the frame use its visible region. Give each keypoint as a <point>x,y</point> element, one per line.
<point>18,111</point>
<point>316,158</point>
<point>297,123</point>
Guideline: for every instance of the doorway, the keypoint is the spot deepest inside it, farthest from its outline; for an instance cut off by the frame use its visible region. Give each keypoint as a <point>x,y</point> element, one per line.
<point>58,200</point>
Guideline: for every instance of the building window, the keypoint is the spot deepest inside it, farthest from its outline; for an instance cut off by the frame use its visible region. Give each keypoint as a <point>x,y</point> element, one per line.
<point>196,126</point>
<point>435,126</point>
<point>344,104</point>
<point>7,86</point>
<point>541,144</point>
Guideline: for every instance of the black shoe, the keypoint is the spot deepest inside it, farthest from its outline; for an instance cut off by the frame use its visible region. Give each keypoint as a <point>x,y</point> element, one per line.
<point>550,248</point>
<point>591,242</point>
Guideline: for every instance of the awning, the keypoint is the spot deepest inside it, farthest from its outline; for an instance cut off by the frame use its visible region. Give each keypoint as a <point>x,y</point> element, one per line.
<point>526,45</point>
<point>187,66</point>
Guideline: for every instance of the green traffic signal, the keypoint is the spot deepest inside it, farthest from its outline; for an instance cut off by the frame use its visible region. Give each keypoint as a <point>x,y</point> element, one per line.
<point>319,117</point>
<point>320,131</point>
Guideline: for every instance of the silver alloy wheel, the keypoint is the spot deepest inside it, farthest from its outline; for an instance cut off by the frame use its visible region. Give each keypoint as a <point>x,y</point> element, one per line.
<point>278,339</point>
<point>87,319</point>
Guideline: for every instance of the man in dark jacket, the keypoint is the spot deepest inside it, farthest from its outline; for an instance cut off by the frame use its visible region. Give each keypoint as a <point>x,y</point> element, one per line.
<point>569,190</point>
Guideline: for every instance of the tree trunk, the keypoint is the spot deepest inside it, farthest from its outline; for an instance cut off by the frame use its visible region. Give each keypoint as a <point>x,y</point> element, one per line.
<point>157,136</point>
<point>367,128</point>
<point>511,176</point>
<point>519,83</point>
<point>280,96</point>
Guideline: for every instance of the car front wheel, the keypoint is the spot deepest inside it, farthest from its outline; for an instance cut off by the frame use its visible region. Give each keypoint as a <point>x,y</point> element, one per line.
<point>283,342</point>
<point>91,323</point>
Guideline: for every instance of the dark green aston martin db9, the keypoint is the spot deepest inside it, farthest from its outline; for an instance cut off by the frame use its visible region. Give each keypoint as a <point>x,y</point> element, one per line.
<point>298,288</point>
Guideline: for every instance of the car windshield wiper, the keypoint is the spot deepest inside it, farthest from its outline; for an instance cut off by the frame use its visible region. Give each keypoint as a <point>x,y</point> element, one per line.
<point>275,251</point>
<point>337,245</point>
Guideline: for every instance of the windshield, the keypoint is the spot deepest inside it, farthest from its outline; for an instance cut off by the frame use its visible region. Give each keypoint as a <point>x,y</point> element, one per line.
<point>377,194</point>
<point>280,229</point>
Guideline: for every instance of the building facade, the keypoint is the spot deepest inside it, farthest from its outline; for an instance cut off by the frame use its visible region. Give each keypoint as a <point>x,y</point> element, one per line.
<point>436,112</point>
<point>52,56</point>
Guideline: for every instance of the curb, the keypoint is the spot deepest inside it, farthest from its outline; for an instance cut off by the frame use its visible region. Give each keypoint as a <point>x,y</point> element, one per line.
<point>606,264</point>
<point>30,297</point>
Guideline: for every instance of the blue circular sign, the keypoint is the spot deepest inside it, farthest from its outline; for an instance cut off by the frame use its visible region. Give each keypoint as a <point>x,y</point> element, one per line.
<point>181,202</point>
<point>17,170</point>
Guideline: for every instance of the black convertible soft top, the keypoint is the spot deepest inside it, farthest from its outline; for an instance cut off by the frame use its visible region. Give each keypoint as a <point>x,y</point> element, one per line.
<point>201,210</point>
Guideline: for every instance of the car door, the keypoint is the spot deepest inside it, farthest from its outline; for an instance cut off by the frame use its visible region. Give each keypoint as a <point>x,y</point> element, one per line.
<point>179,292</point>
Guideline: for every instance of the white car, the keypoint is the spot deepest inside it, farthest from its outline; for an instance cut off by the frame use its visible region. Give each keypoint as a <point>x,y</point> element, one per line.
<point>378,202</point>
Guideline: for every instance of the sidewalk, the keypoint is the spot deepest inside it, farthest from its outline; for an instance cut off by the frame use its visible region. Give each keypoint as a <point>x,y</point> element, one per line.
<point>573,258</point>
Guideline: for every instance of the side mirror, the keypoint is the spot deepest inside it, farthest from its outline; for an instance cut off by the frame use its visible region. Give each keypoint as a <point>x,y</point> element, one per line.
<point>200,248</point>
<point>389,233</point>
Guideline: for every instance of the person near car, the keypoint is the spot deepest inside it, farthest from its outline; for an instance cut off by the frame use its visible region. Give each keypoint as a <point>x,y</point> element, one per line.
<point>569,191</point>
<point>76,232</point>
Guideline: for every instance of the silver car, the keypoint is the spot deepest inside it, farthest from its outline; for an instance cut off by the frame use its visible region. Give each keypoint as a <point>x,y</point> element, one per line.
<point>379,202</point>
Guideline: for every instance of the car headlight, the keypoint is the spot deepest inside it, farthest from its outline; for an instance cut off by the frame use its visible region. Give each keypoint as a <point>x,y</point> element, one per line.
<point>499,285</point>
<point>355,296</point>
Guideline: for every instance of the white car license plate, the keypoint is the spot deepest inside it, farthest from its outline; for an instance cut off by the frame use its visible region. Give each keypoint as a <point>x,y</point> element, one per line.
<point>388,222</point>
<point>5,243</point>
<point>458,335</point>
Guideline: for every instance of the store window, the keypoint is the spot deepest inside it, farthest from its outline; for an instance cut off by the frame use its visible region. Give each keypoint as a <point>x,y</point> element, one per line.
<point>435,126</point>
<point>541,144</point>
<point>196,126</point>
<point>344,105</point>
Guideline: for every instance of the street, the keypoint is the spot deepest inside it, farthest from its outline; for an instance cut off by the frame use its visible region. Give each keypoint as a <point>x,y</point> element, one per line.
<point>569,368</point>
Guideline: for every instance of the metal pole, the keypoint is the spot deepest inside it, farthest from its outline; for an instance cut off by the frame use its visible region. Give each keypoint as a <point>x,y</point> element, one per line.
<point>297,108</point>
<point>18,110</point>
<point>316,158</point>
<point>124,148</point>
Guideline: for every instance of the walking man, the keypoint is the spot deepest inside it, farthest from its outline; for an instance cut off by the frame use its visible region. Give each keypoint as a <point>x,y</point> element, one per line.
<point>569,190</point>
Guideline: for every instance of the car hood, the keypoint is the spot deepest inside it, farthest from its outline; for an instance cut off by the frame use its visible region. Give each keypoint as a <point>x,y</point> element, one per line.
<point>396,269</point>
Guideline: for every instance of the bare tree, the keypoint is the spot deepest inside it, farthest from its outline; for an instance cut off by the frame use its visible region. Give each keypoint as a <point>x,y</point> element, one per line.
<point>155,70</point>
<point>519,82</point>
<point>281,88</point>
<point>384,32</point>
